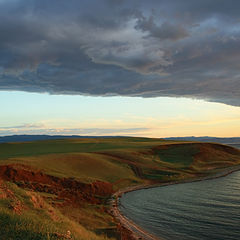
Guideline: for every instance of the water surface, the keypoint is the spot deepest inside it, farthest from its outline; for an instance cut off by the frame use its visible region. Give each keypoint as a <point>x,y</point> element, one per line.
<point>206,210</point>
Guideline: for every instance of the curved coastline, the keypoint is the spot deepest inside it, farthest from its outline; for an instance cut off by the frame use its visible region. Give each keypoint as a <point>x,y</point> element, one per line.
<point>136,232</point>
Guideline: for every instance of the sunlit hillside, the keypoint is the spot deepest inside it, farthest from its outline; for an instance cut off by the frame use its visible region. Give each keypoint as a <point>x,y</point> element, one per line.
<point>59,189</point>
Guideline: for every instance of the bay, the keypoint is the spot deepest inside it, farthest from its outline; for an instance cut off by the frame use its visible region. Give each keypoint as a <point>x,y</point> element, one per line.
<point>204,210</point>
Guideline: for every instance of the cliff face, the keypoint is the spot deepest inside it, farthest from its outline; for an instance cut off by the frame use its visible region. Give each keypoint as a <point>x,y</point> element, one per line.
<point>66,189</point>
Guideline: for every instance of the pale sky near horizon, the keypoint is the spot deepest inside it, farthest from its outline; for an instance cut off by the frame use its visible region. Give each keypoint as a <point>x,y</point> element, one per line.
<point>38,113</point>
<point>155,68</point>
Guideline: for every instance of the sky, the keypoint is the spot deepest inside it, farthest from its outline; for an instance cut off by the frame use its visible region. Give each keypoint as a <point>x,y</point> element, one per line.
<point>153,68</point>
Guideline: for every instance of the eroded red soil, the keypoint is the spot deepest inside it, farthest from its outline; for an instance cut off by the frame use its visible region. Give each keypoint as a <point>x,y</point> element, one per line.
<point>68,189</point>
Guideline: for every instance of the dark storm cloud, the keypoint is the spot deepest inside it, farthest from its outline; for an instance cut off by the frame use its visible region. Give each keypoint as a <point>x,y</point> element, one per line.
<point>116,47</point>
<point>165,31</point>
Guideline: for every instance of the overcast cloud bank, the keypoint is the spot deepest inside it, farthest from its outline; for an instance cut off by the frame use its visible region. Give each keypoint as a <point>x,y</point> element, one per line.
<point>142,48</point>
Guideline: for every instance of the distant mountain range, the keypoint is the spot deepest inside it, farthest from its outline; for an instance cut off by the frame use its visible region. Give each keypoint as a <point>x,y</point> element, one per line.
<point>26,138</point>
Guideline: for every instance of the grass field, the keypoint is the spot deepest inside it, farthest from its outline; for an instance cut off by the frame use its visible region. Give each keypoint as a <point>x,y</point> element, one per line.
<point>33,208</point>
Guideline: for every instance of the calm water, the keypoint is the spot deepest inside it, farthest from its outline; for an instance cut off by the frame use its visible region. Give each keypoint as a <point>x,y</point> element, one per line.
<point>207,210</point>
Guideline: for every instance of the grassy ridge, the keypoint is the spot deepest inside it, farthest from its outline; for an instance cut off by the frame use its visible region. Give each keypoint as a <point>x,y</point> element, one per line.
<point>8,150</point>
<point>26,215</point>
<point>121,162</point>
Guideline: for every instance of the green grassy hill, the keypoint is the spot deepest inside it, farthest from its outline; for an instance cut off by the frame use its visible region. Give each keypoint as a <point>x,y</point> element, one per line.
<point>59,189</point>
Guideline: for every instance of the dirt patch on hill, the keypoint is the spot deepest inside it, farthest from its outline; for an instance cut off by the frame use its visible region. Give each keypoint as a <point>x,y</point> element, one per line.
<point>212,156</point>
<point>67,189</point>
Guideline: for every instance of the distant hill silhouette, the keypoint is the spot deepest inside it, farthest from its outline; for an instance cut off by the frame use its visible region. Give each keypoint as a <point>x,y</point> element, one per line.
<point>26,138</point>
<point>29,138</point>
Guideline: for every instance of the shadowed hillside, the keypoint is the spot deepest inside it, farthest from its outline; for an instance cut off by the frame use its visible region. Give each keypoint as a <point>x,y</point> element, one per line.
<point>59,189</point>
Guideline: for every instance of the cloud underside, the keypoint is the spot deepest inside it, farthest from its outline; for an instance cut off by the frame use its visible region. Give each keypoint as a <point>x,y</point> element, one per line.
<point>119,47</point>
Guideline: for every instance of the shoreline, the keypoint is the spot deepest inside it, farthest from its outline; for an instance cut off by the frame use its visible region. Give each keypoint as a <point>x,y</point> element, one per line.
<point>135,232</point>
